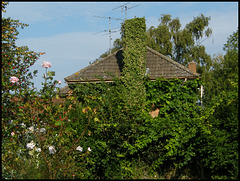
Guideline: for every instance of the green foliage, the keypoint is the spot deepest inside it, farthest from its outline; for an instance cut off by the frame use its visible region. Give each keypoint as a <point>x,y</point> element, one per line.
<point>220,150</point>
<point>123,136</point>
<point>182,137</point>
<point>197,26</point>
<point>134,53</point>
<point>221,85</point>
<point>177,124</point>
<point>223,75</point>
<point>182,45</point>
<point>95,134</point>
<point>161,36</point>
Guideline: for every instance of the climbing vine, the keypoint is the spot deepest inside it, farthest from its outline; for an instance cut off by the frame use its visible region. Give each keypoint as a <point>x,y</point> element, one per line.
<point>134,53</point>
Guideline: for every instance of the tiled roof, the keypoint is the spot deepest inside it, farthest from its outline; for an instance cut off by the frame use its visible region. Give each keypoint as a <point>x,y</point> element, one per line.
<point>158,65</point>
<point>112,64</point>
<point>161,66</point>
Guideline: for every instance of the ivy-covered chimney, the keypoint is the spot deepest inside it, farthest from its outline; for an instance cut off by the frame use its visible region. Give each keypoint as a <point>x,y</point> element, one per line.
<point>134,53</point>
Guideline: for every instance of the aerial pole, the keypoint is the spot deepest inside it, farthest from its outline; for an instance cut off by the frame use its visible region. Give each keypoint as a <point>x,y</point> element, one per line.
<point>125,8</point>
<point>110,38</point>
<point>110,31</point>
<point>126,12</point>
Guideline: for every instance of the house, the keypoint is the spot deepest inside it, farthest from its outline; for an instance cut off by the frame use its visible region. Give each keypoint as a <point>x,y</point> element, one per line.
<point>157,65</point>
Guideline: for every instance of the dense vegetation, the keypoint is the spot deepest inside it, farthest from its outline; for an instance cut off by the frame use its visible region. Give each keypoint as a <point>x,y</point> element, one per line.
<point>97,133</point>
<point>134,62</point>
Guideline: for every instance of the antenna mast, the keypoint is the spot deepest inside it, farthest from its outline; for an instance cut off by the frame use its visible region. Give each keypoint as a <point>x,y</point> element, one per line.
<point>125,8</point>
<point>110,38</point>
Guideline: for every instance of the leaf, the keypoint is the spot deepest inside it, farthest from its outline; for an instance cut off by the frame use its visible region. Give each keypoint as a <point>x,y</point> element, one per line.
<point>51,73</point>
<point>120,155</point>
<point>20,114</point>
<point>58,123</point>
<point>35,72</point>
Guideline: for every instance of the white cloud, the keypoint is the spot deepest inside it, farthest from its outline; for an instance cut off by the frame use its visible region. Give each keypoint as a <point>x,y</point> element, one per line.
<point>29,12</point>
<point>68,52</point>
<point>32,12</point>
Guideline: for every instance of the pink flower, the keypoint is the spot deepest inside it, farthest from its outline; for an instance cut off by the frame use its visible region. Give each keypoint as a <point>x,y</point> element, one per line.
<point>12,133</point>
<point>14,79</point>
<point>59,81</point>
<point>46,64</point>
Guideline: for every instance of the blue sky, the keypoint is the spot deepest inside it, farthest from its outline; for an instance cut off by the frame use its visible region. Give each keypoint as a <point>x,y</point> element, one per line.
<point>65,30</point>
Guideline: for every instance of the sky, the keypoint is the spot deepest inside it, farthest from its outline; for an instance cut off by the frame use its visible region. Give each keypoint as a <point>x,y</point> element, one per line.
<point>71,35</point>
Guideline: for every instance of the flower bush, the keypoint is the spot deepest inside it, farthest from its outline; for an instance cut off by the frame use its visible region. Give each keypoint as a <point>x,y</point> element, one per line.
<point>47,136</point>
<point>39,137</point>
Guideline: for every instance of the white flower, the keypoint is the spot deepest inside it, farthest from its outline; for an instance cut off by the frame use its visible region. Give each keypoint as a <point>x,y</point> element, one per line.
<point>89,149</point>
<point>22,124</point>
<point>31,129</point>
<point>31,145</point>
<point>52,149</point>
<point>42,130</point>
<point>12,133</point>
<point>79,148</point>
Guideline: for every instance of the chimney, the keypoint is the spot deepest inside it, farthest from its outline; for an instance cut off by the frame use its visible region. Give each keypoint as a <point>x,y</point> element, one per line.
<point>192,66</point>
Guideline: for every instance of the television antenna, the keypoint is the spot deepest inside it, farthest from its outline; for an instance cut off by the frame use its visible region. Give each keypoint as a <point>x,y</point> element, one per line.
<point>109,30</point>
<point>125,8</point>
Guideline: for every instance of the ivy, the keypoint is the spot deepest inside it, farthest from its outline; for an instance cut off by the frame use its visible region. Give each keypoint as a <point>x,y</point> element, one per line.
<point>183,136</point>
<point>134,53</point>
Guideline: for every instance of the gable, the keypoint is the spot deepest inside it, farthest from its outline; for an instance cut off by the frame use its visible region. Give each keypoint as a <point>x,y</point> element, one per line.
<point>157,64</point>
<point>161,66</point>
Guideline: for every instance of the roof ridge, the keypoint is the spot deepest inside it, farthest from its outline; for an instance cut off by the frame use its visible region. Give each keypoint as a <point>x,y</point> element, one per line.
<point>172,61</point>
<point>148,48</point>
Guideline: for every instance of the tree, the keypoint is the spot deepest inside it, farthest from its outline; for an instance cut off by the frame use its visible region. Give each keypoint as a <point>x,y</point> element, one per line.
<point>182,45</point>
<point>161,36</point>
<point>15,60</point>
<point>220,148</point>
<point>230,64</point>
<point>223,75</point>
<point>15,64</point>
<point>16,87</point>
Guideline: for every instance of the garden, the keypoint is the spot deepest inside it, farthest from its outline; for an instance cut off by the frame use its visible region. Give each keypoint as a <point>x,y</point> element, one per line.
<point>104,130</point>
